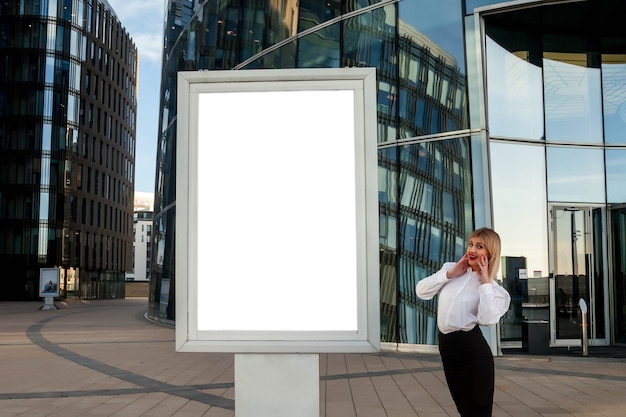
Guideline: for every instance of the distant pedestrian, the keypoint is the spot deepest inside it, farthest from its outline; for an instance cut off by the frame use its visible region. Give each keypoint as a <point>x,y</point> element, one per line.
<point>468,297</point>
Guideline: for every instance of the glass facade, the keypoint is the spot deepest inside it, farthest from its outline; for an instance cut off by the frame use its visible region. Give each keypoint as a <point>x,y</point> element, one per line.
<point>68,77</point>
<point>510,131</point>
<point>554,93</point>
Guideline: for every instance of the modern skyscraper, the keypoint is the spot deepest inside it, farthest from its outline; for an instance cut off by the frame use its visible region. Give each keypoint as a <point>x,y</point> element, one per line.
<point>68,105</point>
<point>490,113</point>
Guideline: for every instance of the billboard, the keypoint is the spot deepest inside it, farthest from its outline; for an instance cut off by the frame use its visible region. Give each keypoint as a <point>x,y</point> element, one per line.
<point>49,279</point>
<point>277,211</point>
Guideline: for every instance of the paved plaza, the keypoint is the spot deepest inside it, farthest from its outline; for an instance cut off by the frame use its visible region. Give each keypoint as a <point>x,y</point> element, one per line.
<point>104,358</point>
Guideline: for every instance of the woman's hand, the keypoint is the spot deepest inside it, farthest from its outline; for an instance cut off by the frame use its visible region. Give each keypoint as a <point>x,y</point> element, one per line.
<point>460,268</point>
<point>483,262</point>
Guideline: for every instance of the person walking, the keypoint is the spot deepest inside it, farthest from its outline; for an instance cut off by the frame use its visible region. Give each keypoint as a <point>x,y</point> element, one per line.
<point>468,298</point>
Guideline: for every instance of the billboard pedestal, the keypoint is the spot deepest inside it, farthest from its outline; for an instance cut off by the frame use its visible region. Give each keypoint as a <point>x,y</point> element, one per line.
<point>49,304</point>
<point>277,385</point>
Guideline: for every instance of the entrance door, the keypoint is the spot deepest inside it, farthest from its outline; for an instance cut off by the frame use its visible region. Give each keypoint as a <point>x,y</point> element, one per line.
<point>618,264</point>
<point>578,259</point>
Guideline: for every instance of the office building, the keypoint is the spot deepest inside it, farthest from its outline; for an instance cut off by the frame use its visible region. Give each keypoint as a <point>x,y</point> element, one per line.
<point>490,113</point>
<point>142,241</point>
<point>68,105</point>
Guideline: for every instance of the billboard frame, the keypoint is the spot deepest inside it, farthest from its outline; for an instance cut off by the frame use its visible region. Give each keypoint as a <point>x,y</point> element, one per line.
<point>193,334</point>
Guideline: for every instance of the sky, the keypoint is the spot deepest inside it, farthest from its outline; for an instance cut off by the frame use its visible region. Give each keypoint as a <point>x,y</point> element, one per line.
<point>143,20</point>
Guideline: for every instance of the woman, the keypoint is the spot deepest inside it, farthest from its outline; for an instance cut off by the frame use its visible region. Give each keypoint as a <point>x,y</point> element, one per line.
<point>468,297</point>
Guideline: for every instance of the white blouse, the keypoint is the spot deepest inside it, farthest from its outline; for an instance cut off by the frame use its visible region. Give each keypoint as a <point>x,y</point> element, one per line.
<point>463,300</point>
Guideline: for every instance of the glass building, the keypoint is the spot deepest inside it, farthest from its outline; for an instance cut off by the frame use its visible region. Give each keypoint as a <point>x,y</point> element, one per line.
<point>503,114</point>
<point>68,104</point>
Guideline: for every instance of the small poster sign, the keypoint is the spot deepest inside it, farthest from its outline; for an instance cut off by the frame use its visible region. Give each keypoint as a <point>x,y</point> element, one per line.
<point>49,282</point>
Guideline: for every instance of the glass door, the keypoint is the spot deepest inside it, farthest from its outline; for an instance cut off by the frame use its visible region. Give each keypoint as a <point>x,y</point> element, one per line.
<point>578,273</point>
<point>618,271</point>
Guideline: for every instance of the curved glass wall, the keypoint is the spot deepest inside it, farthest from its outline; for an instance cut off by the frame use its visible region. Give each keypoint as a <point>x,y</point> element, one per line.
<point>550,136</point>
<point>425,180</point>
<point>555,95</point>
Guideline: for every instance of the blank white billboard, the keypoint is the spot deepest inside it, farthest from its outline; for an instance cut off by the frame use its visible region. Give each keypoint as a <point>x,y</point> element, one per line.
<point>277,211</point>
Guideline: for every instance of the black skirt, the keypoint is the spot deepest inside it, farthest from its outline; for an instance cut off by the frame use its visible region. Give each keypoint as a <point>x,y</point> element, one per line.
<point>468,366</point>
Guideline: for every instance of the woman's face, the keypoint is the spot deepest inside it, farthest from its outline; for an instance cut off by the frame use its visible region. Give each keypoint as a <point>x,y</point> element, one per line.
<point>476,252</point>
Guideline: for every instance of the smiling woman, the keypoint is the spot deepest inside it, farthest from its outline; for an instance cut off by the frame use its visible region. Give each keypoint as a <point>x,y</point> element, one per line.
<point>468,297</point>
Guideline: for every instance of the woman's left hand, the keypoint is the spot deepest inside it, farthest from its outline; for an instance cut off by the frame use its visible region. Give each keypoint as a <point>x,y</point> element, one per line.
<point>484,270</point>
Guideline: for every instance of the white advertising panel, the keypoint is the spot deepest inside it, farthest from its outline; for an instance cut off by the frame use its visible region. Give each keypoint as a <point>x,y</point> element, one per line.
<point>277,211</point>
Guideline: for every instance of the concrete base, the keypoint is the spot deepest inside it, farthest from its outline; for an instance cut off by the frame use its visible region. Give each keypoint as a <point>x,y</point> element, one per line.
<point>277,385</point>
<point>49,304</point>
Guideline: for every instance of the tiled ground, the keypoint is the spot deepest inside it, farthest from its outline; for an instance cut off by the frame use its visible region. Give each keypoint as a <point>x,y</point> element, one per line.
<point>103,358</point>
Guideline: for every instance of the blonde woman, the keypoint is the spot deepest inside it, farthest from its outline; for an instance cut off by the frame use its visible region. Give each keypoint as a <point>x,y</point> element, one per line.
<point>468,297</point>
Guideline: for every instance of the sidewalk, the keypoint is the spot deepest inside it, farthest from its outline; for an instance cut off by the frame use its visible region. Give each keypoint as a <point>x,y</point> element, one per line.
<point>103,358</point>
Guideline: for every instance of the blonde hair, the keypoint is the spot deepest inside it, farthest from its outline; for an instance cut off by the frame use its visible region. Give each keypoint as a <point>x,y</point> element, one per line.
<point>492,244</point>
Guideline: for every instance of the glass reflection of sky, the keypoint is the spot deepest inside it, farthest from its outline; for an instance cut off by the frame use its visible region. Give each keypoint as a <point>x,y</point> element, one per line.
<point>573,100</point>
<point>445,30</point>
<point>616,175</point>
<point>519,202</point>
<point>515,95</point>
<point>575,175</point>
<point>614,99</point>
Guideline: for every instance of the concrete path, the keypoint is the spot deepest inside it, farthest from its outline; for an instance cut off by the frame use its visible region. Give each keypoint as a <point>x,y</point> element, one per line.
<point>104,358</point>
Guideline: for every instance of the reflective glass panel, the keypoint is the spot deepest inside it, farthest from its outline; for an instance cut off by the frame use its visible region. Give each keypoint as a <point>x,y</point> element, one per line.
<point>387,177</point>
<point>575,174</point>
<point>263,26</point>
<point>618,263</point>
<point>50,70</point>
<point>314,12</point>
<point>573,102</point>
<point>432,96</point>
<point>475,87</point>
<point>571,266</point>
<point>614,98</point>
<point>519,202</point>
<point>432,226</point>
<point>514,93</point>
<point>353,5</point>
<point>320,49</point>
<point>369,41</point>
<point>616,175</point>
<point>387,190</point>
<point>283,57</point>
<point>435,25</point>
<point>520,215</point>
<point>52,8</point>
